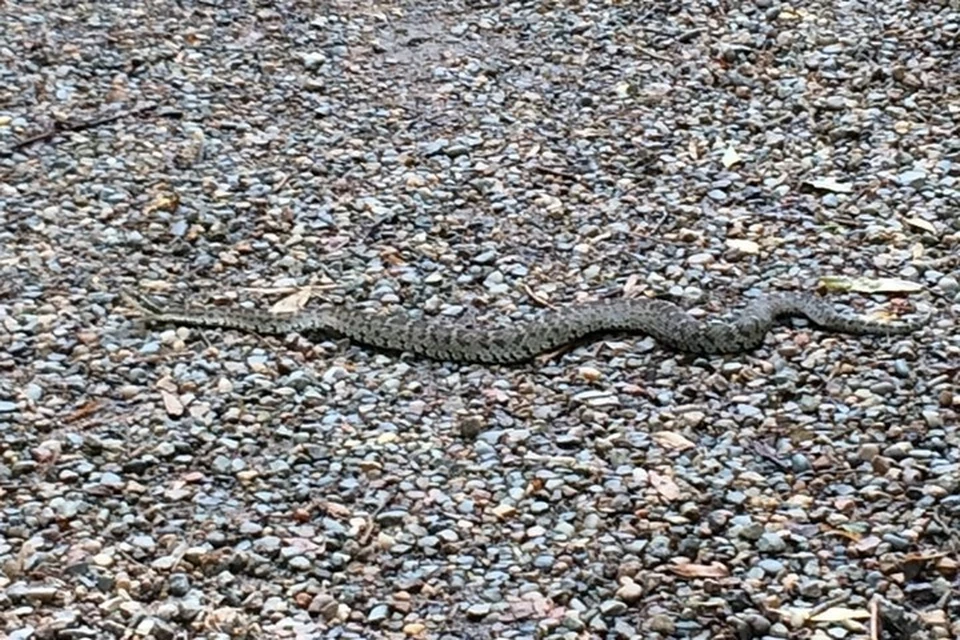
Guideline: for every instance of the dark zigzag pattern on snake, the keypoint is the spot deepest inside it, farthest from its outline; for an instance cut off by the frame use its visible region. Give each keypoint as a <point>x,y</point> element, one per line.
<point>448,340</point>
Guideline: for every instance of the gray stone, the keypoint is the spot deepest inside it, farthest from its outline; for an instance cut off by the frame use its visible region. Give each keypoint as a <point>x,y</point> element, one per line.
<point>914,178</point>
<point>313,60</point>
<point>770,542</point>
<point>391,518</point>
<point>478,611</point>
<point>611,608</point>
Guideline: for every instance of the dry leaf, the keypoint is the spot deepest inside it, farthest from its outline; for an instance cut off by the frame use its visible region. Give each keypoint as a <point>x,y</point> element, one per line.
<point>839,614</point>
<point>869,285</point>
<point>672,440</point>
<point>665,486</point>
<point>504,511</point>
<point>171,403</point>
<point>730,157</point>
<point>168,202</point>
<point>335,508</point>
<point>935,617</point>
<point>88,408</point>
<point>293,302</point>
<point>948,566</point>
<point>589,374</point>
<point>632,284</point>
<point>744,246</point>
<point>691,570</point>
<point>852,536</point>
<point>917,251</point>
<point>867,544</point>
<point>831,185</point>
<point>920,223</point>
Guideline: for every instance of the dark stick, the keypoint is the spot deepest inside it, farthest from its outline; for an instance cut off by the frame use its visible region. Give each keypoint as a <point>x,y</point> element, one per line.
<point>61,127</point>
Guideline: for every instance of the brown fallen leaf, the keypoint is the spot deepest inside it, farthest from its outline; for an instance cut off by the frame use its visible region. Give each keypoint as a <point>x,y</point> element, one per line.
<point>665,486</point>
<point>335,508</point>
<point>744,246</point>
<point>913,564</point>
<point>867,544</point>
<point>730,157</point>
<point>853,536</point>
<point>839,614</point>
<point>632,285</point>
<point>920,223</point>
<point>86,409</point>
<point>869,285</point>
<point>692,570</point>
<point>672,440</point>
<point>917,251</point>
<point>935,617</point>
<point>830,184</point>
<point>948,566</point>
<point>171,402</point>
<point>293,302</point>
<point>168,202</point>
<point>504,511</point>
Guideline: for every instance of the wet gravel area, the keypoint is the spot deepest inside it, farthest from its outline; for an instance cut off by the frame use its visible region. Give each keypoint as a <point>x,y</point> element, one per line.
<point>479,161</point>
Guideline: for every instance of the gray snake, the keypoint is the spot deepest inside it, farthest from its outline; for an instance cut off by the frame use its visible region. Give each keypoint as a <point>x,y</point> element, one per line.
<point>449,341</point>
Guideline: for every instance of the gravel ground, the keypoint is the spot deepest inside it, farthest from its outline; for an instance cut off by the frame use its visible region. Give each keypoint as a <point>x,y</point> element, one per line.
<point>477,160</point>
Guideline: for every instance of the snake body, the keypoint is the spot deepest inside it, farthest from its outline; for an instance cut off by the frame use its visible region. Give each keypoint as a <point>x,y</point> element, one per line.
<point>449,341</point>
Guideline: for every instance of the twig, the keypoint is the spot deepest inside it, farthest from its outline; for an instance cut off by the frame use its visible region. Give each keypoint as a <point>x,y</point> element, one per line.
<point>379,222</point>
<point>206,340</point>
<point>543,302</point>
<point>556,172</point>
<point>659,224</point>
<point>64,127</point>
<point>654,54</point>
<point>947,529</point>
<point>828,604</point>
<point>540,300</point>
<point>689,35</point>
<point>550,356</point>
<point>767,453</point>
<point>286,290</point>
<point>874,619</point>
<point>365,537</point>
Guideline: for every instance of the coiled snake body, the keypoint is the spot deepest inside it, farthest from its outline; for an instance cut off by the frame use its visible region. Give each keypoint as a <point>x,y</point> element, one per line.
<point>668,323</point>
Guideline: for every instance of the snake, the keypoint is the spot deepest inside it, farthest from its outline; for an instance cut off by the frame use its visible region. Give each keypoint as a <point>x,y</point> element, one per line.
<point>522,341</point>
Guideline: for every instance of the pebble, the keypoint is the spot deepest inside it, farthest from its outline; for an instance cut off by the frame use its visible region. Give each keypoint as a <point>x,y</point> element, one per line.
<point>378,614</point>
<point>612,608</point>
<point>178,584</point>
<point>933,418</point>
<point>770,542</point>
<point>949,285</point>
<point>391,518</point>
<point>913,178</point>
<point>799,463</point>
<point>868,452</point>
<point>597,399</point>
<point>478,611</point>
<point>630,592</point>
<point>312,60</point>
<point>661,623</point>
<point>110,479</point>
<point>770,566</point>
<point>487,257</point>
